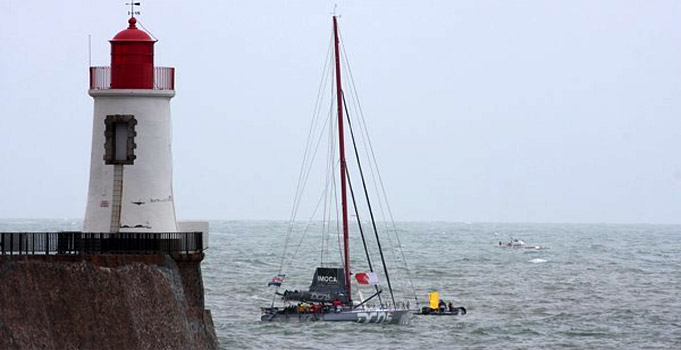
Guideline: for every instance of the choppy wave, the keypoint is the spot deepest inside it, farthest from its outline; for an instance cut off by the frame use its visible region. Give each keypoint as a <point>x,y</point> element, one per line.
<point>599,286</point>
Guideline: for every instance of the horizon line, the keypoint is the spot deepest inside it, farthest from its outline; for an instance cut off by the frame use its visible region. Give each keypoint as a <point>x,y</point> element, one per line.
<point>466,222</point>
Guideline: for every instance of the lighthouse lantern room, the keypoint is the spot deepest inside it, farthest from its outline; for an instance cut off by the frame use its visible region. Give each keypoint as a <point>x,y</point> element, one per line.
<point>130,187</point>
<point>132,59</point>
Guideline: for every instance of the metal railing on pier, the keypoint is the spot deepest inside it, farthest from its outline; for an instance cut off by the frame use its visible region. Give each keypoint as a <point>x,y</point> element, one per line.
<point>65,243</point>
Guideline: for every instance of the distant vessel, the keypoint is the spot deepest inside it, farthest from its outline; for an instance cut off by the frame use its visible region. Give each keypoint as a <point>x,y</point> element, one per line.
<point>329,297</point>
<point>515,243</point>
<point>437,307</point>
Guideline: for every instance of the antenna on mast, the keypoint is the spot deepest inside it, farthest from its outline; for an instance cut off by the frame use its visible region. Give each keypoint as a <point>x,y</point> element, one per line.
<point>132,11</point>
<point>334,12</point>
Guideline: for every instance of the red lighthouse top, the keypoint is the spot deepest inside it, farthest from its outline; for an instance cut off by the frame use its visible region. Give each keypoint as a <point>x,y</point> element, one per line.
<point>132,33</point>
<point>132,59</point>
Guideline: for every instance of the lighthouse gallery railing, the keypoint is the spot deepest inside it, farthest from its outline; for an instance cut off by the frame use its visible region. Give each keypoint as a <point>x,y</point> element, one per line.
<point>48,243</point>
<point>100,78</point>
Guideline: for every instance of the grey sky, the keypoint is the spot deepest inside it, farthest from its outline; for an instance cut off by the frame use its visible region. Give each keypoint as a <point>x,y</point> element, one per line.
<point>549,111</point>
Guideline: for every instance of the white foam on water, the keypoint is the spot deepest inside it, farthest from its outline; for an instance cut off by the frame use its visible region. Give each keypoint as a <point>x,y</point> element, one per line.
<point>538,261</point>
<point>257,297</point>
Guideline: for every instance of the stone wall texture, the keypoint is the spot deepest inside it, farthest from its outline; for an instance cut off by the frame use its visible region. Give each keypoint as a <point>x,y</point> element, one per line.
<point>103,302</point>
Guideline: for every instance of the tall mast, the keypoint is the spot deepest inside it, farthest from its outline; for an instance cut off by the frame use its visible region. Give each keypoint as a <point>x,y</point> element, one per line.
<point>341,146</point>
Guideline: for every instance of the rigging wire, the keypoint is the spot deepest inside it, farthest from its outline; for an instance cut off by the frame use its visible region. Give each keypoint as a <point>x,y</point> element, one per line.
<point>380,178</point>
<point>355,100</point>
<point>330,178</point>
<point>391,246</point>
<point>339,230</point>
<point>366,194</point>
<point>302,178</point>
<point>321,134</point>
<point>332,162</point>
<point>302,183</point>
<point>327,205</point>
<point>361,231</point>
<point>307,228</point>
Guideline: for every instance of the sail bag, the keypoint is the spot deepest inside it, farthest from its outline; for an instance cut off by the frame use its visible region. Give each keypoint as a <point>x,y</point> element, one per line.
<point>328,285</point>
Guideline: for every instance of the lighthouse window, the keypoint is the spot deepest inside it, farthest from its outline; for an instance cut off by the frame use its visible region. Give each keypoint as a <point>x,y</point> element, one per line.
<point>119,136</point>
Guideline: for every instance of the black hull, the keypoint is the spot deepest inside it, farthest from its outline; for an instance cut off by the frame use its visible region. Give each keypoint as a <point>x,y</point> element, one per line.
<point>430,312</point>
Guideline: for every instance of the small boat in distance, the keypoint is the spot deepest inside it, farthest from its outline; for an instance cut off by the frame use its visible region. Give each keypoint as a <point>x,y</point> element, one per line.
<point>515,243</point>
<point>330,297</point>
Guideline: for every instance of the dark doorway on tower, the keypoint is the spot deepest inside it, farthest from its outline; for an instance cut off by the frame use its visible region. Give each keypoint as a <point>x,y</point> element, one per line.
<point>119,150</point>
<point>119,135</point>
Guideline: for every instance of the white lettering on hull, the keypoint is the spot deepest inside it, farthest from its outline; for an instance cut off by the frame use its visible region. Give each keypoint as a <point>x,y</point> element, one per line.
<point>375,317</point>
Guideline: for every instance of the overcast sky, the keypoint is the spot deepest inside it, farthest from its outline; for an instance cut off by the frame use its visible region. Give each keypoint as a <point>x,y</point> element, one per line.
<point>532,111</point>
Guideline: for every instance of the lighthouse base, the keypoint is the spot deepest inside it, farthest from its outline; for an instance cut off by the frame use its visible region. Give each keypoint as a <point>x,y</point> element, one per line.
<point>103,302</point>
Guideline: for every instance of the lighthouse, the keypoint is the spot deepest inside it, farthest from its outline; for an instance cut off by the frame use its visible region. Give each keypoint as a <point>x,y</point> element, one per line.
<point>133,262</point>
<point>130,187</point>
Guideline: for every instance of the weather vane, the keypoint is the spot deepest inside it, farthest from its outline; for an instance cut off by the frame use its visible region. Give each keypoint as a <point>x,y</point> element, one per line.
<point>132,11</point>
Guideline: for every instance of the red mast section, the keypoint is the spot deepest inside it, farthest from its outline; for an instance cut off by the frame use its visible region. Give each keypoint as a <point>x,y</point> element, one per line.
<point>341,146</point>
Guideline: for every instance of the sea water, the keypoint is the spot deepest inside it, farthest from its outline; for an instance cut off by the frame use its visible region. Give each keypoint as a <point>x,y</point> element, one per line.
<point>598,286</point>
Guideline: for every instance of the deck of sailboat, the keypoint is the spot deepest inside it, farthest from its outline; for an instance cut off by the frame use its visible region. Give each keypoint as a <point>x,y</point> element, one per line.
<point>373,315</point>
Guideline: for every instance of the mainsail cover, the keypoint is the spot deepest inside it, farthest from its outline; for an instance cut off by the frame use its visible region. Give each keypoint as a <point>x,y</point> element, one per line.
<point>328,285</point>
<point>328,280</point>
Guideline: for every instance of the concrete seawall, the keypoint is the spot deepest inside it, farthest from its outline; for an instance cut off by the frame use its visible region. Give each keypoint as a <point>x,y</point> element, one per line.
<point>103,302</point>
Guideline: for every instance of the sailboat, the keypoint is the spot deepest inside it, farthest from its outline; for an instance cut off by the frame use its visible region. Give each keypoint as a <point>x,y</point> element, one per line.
<point>330,295</point>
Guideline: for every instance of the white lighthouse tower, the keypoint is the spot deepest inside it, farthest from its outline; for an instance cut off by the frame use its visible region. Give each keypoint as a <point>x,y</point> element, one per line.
<point>131,166</point>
